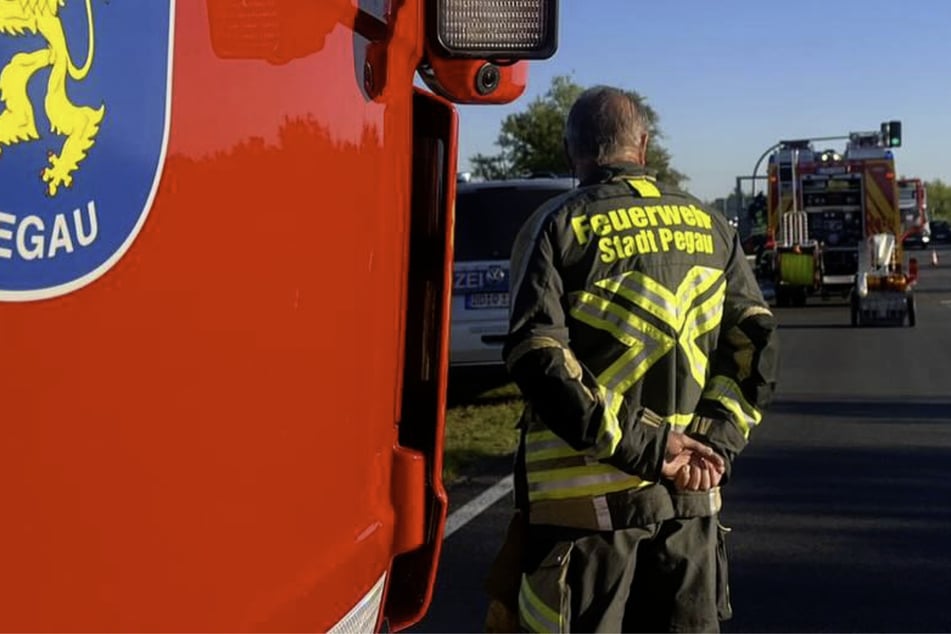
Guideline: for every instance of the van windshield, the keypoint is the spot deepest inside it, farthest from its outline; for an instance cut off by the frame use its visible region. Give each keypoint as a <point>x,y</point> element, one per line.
<point>488,219</point>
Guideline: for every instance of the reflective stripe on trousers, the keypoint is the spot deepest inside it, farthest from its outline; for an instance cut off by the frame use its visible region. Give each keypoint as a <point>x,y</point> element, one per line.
<point>544,599</point>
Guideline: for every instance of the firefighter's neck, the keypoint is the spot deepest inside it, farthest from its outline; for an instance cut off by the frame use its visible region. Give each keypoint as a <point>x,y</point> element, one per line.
<point>585,169</point>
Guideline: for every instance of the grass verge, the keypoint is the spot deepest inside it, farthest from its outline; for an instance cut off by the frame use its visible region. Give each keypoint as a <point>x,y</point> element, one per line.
<point>480,425</point>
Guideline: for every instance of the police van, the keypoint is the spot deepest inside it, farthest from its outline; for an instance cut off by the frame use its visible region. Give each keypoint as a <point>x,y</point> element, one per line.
<point>489,214</point>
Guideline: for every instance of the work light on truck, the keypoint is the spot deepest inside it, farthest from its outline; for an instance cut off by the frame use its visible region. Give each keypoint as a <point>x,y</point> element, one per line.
<point>496,29</point>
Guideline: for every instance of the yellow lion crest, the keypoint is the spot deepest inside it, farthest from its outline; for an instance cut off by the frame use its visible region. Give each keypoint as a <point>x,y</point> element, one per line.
<point>79,124</point>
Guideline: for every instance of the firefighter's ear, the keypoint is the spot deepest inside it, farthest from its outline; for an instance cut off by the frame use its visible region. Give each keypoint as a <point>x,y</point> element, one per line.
<point>642,151</point>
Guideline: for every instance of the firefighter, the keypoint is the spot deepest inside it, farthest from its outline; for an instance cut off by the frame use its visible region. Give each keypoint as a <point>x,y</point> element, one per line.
<point>646,354</point>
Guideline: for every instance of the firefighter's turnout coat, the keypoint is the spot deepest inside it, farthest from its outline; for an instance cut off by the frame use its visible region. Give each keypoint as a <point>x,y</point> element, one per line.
<point>634,314</point>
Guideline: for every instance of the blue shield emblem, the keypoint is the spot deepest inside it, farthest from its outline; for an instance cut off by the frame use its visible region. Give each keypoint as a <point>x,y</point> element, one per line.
<point>84,117</point>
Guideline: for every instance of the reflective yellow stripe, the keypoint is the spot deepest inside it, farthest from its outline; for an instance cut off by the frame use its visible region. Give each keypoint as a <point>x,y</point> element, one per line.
<point>621,323</point>
<point>647,343</point>
<point>728,393</point>
<point>701,319</point>
<point>679,420</point>
<point>580,481</point>
<point>644,186</point>
<point>541,435</point>
<point>596,470</point>
<point>609,434</point>
<point>655,298</point>
<point>586,491</point>
<point>613,401</point>
<point>881,207</point>
<point>565,451</point>
<point>553,447</point>
<point>570,480</point>
<point>642,291</point>
<point>546,445</point>
<point>534,612</point>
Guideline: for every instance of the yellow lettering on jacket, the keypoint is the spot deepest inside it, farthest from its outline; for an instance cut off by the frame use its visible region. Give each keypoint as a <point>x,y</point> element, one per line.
<point>688,242</point>
<point>628,231</point>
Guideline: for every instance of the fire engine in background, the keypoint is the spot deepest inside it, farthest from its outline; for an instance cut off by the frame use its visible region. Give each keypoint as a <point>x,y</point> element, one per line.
<point>834,223</point>
<point>225,276</point>
<point>913,202</point>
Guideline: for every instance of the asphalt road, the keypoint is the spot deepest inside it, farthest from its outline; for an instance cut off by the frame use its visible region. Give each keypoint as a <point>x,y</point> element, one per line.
<point>840,506</point>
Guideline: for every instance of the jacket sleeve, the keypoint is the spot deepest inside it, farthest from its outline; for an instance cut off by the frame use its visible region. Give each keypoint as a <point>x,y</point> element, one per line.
<point>559,390</point>
<point>744,365</point>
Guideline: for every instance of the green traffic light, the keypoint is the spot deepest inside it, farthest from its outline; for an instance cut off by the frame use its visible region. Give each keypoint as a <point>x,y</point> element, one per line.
<point>893,129</point>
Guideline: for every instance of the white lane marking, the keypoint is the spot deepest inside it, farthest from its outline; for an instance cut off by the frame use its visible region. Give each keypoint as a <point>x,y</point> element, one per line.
<point>946,303</point>
<point>474,507</point>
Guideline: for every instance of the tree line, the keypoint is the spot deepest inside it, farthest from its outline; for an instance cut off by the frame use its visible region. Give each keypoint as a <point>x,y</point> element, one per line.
<point>531,142</point>
<point>939,199</point>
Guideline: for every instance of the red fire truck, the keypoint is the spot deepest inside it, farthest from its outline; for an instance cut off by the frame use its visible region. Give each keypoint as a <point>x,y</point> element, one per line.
<point>913,202</point>
<point>834,224</point>
<point>225,275</point>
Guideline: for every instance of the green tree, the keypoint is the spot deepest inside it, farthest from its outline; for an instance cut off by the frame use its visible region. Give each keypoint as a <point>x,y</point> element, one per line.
<point>532,140</point>
<point>939,199</point>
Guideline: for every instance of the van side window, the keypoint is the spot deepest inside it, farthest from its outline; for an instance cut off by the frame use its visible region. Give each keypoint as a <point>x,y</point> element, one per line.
<point>488,219</point>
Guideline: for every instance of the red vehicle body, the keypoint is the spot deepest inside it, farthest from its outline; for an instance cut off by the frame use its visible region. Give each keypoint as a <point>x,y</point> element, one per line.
<point>822,207</point>
<point>913,202</point>
<point>237,424</point>
<point>834,227</point>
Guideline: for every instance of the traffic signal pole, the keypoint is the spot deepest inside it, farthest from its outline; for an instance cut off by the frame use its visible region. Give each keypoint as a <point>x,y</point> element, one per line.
<point>891,137</point>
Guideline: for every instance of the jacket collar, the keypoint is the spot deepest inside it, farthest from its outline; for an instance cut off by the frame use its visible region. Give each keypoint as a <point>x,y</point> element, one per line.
<point>610,171</point>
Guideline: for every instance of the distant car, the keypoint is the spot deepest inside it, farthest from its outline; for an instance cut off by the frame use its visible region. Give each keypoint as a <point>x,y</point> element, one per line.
<point>940,231</point>
<point>488,217</point>
<point>917,240</point>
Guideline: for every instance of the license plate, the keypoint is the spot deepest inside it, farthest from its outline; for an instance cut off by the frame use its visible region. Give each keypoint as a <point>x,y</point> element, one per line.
<point>487,300</point>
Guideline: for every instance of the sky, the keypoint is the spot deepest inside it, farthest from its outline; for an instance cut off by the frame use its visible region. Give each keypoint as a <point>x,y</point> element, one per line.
<point>729,79</point>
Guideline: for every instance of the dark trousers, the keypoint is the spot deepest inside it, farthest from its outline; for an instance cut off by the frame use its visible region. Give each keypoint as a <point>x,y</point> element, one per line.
<point>667,577</point>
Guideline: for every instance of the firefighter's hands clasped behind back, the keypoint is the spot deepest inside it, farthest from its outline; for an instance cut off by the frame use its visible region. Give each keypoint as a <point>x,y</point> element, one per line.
<point>690,464</point>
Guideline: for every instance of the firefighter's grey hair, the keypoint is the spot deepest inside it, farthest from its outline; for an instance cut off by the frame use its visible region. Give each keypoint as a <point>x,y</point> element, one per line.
<point>605,124</point>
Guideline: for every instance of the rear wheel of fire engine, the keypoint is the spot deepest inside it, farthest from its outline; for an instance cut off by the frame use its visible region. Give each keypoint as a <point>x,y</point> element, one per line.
<point>911,311</point>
